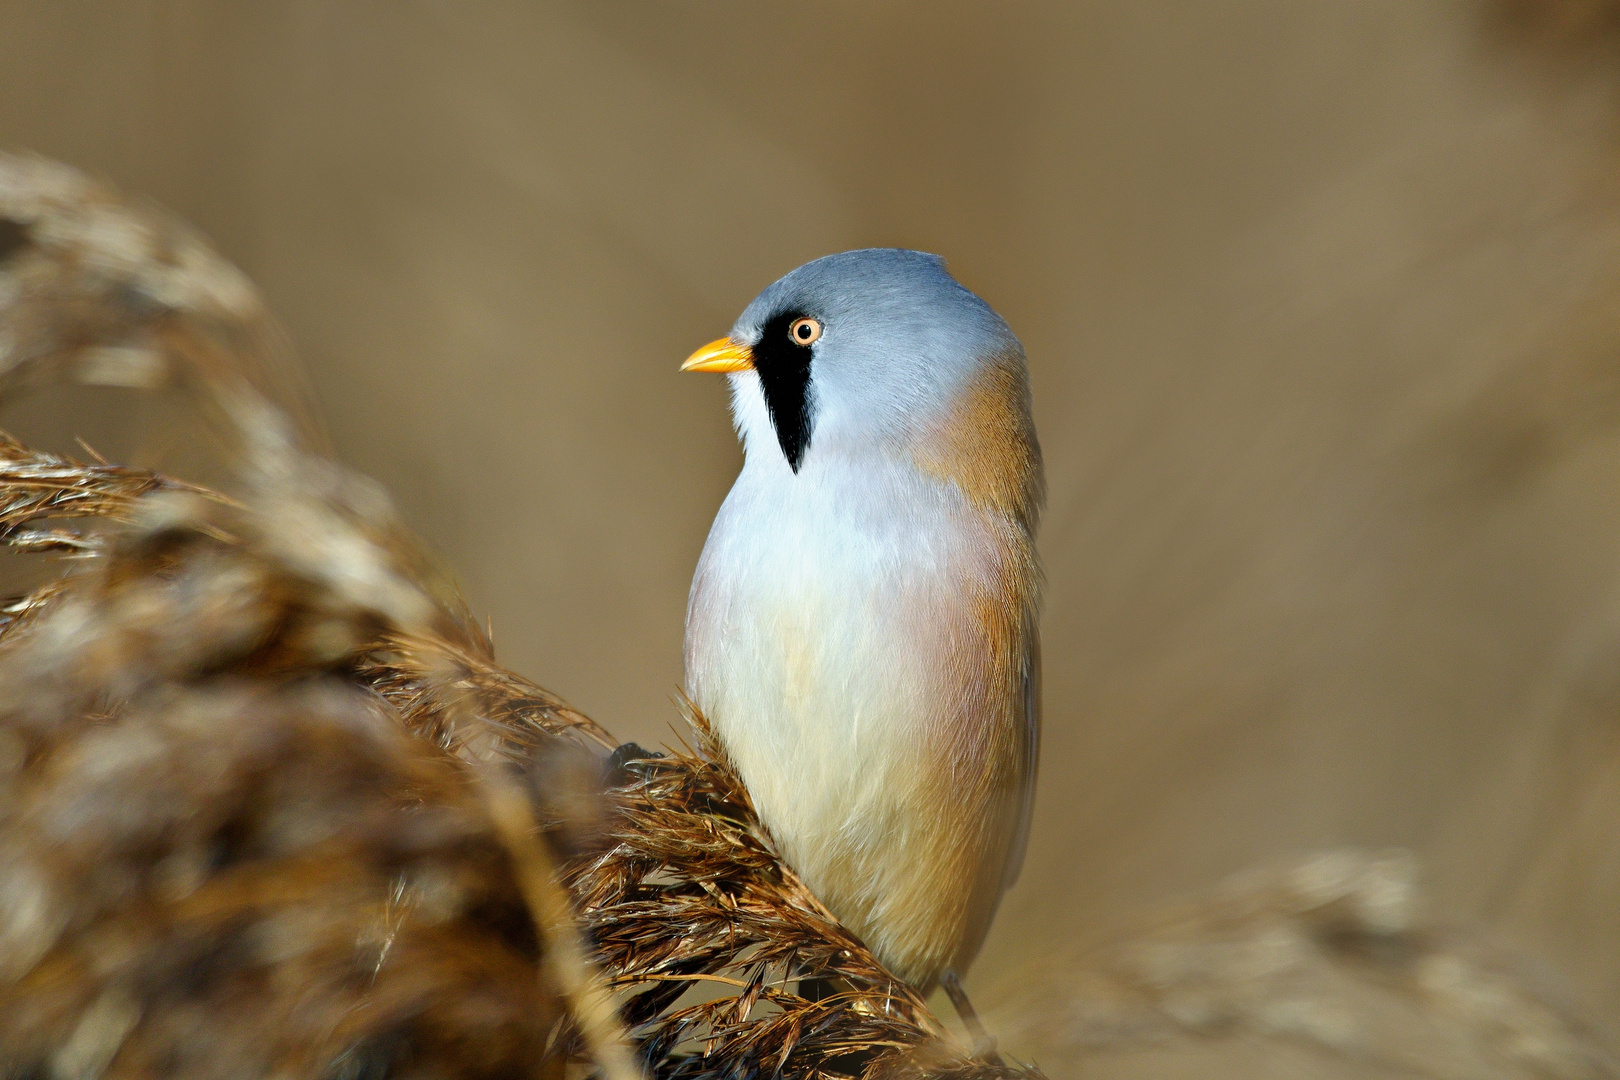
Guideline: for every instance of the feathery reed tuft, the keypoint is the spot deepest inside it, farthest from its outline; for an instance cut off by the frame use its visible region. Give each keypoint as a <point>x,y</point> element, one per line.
<point>1333,953</point>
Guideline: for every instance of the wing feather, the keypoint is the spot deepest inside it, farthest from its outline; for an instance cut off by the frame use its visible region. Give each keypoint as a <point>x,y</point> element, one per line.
<point>1024,805</point>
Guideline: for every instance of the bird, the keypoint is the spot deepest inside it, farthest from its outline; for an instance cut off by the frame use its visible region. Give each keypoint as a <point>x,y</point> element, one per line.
<point>862,628</point>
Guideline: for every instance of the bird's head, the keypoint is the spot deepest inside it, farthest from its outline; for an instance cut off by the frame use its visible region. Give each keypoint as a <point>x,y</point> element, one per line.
<point>860,351</point>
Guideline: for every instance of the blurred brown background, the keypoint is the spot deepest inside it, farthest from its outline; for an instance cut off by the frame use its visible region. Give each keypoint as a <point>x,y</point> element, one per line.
<point>1320,300</point>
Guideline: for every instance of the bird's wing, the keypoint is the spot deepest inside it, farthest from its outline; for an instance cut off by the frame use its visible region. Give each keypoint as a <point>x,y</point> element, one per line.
<point>1024,804</point>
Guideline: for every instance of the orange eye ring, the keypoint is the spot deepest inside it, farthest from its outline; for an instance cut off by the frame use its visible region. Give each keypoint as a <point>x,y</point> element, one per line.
<point>804,331</point>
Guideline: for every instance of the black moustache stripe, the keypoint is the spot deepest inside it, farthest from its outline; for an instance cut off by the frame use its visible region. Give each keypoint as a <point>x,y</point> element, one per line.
<point>784,375</point>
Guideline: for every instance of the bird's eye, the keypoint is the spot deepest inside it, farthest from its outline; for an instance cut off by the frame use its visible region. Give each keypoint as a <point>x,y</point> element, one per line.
<point>804,331</point>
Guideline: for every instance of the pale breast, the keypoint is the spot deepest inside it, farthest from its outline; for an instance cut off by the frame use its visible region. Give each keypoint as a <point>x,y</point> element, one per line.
<point>855,645</point>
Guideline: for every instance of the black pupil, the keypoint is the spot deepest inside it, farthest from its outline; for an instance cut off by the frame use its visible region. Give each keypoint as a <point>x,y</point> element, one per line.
<point>804,331</point>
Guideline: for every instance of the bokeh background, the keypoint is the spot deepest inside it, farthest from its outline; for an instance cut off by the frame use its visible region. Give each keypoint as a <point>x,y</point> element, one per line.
<point>1320,301</point>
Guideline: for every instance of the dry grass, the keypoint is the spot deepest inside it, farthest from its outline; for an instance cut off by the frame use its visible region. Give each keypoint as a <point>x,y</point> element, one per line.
<point>1334,952</point>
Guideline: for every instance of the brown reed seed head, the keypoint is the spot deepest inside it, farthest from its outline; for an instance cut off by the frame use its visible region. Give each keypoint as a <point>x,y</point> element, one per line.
<point>256,762</point>
<point>218,856</point>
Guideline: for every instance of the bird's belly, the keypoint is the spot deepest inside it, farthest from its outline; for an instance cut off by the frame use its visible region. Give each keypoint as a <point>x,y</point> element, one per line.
<point>822,697</point>
<point>829,666</point>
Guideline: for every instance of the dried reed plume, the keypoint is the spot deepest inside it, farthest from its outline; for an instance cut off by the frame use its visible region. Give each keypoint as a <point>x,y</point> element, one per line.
<point>267,802</point>
<point>1334,953</point>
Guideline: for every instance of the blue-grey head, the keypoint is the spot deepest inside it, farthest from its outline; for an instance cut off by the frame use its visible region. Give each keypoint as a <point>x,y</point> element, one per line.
<point>854,351</point>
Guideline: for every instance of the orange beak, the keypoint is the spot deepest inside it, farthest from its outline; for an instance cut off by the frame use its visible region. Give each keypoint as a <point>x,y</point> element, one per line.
<point>722,356</point>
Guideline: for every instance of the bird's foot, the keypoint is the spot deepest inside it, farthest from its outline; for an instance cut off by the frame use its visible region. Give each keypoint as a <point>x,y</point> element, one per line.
<point>616,770</point>
<point>984,1047</point>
